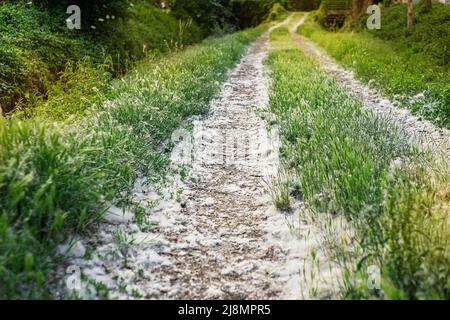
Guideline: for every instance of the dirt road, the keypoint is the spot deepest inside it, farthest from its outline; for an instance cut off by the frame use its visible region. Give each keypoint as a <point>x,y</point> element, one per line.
<point>214,232</point>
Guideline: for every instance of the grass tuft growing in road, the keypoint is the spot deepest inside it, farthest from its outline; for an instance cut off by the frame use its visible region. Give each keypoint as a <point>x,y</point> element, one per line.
<point>351,163</point>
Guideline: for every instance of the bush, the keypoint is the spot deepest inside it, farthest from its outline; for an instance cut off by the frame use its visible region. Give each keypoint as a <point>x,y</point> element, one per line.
<point>278,12</point>
<point>145,29</point>
<point>210,15</point>
<point>35,46</point>
<point>320,15</point>
<point>33,50</point>
<point>253,12</point>
<point>79,87</point>
<point>304,5</point>
<point>91,10</point>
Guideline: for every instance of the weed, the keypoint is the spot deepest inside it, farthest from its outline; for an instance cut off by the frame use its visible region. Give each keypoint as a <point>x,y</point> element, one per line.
<point>135,293</point>
<point>279,190</point>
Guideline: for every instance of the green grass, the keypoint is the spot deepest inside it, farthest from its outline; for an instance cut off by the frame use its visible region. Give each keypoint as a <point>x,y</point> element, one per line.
<point>279,189</point>
<point>352,163</point>
<point>57,178</point>
<point>402,65</point>
<point>38,52</point>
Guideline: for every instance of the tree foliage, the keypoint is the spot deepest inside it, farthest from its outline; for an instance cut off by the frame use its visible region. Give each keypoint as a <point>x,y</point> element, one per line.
<point>91,9</point>
<point>253,12</point>
<point>208,14</point>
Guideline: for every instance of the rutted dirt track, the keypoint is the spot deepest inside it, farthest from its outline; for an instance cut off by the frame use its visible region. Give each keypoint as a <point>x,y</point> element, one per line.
<point>216,234</point>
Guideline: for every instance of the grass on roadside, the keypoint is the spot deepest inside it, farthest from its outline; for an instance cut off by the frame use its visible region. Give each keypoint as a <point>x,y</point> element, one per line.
<point>41,58</point>
<point>414,78</point>
<point>350,162</point>
<point>57,178</point>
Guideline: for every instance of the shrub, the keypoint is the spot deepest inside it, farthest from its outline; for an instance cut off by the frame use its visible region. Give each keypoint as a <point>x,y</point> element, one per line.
<point>210,15</point>
<point>430,36</point>
<point>253,12</point>
<point>304,5</point>
<point>57,178</point>
<point>277,12</point>
<point>33,50</point>
<point>35,45</point>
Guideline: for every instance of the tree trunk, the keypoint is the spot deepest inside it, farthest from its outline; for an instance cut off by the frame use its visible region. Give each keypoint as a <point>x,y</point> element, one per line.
<point>359,7</point>
<point>410,14</point>
<point>429,4</point>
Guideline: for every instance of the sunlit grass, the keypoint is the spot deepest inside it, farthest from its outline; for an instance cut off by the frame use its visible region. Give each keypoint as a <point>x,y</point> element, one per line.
<point>352,163</point>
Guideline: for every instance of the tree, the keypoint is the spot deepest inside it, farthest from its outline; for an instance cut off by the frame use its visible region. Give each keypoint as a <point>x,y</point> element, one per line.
<point>208,14</point>
<point>253,12</point>
<point>429,4</point>
<point>409,23</point>
<point>304,5</point>
<point>359,7</point>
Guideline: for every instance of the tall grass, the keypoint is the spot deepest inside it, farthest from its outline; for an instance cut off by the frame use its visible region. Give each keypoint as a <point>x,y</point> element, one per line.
<point>57,178</point>
<point>397,70</point>
<point>350,162</point>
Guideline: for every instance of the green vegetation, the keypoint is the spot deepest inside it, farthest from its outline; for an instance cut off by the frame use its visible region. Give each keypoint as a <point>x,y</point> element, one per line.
<point>428,40</point>
<point>36,47</point>
<point>213,16</point>
<point>280,191</point>
<point>304,5</point>
<point>42,60</point>
<point>333,14</point>
<point>403,64</point>
<point>90,111</point>
<point>278,12</point>
<point>254,12</point>
<point>351,163</point>
<point>57,178</point>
